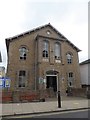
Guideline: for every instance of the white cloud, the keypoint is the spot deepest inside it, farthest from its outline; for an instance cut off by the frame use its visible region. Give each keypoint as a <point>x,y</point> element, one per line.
<point>68,16</point>
<point>11,18</point>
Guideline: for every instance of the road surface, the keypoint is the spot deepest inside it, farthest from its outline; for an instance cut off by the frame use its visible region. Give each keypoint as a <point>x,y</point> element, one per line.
<point>67,114</point>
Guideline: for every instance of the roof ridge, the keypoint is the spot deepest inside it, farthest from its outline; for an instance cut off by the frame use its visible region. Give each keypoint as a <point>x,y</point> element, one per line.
<point>38,28</point>
<point>85,62</point>
<point>28,31</point>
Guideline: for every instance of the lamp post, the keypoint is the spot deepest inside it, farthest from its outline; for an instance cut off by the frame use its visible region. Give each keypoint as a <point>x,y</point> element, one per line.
<point>59,100</point>
<point>59,96</point>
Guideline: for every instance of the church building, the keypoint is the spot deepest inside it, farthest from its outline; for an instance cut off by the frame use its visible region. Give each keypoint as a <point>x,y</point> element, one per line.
<point>42,59</point>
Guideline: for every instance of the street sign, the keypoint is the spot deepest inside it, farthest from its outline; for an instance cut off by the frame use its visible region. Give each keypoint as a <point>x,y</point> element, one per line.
<point>7,82</point>
<point>1,82</point>
<point>4,82</point>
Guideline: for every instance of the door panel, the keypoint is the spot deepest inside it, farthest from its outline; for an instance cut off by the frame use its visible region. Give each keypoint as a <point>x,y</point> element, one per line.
<point>52,82</point>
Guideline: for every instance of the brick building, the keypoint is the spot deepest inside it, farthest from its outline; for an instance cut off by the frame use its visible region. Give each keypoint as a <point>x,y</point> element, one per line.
<point>42,59</point>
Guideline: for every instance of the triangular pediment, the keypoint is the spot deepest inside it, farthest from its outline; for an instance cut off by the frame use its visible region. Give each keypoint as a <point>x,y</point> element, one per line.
<point>47,26</point>
<point>46,30</point>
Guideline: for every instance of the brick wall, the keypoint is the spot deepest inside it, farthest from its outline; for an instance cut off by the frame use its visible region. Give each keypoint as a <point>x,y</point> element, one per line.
<point>78,92</point>
<point>9,96</point>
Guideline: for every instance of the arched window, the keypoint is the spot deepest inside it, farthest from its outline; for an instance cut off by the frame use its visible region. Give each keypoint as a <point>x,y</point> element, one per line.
<point>23,53</point>
<point>45,48</point>
<point>69,58</point>
<point>57,50</point>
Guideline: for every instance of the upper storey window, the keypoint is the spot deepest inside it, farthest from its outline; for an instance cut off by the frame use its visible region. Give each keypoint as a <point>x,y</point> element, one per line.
<point>69,58</point>
<point>23,53</point>
<point>57,50</point>
<point>45,48</point>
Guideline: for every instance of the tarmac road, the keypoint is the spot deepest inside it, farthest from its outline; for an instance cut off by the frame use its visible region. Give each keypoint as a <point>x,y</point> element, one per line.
<point>68,114</point>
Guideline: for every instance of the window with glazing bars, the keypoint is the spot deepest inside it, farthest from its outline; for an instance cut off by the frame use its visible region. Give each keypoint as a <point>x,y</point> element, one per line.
<point>45,49</point>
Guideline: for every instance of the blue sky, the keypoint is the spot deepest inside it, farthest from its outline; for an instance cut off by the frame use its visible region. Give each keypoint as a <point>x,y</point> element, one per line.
<point>70,17</point>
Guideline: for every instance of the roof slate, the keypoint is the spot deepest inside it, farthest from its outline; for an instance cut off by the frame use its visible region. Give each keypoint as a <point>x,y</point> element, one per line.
<point>85,62</point>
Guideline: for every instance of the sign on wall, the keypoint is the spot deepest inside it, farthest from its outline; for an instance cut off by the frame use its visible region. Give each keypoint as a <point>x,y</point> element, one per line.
<point>41,80</point>
<point>4,82</point>
<point>7,82</point>
<point>1,82</point>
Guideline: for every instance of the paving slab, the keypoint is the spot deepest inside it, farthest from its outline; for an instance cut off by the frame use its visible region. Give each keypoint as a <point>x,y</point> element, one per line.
<point>41,107</point>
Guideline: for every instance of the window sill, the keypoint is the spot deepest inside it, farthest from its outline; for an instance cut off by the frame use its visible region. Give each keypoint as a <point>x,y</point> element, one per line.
<point>21,87</point>
<point>58,61</point>
<point>45,59</point>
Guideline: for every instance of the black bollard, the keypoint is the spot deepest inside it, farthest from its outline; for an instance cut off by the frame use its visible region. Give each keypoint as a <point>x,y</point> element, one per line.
<point>59,100</point>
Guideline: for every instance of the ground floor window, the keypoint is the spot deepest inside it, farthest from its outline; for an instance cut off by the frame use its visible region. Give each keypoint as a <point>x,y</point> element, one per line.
<point>22,78</point>
<point>70,79</point>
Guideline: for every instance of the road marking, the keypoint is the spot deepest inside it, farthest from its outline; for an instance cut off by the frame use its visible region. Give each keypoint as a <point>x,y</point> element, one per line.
<point>18,104</point>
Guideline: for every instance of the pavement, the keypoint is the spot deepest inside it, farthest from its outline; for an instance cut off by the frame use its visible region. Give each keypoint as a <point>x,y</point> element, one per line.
<point>50,105</point>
